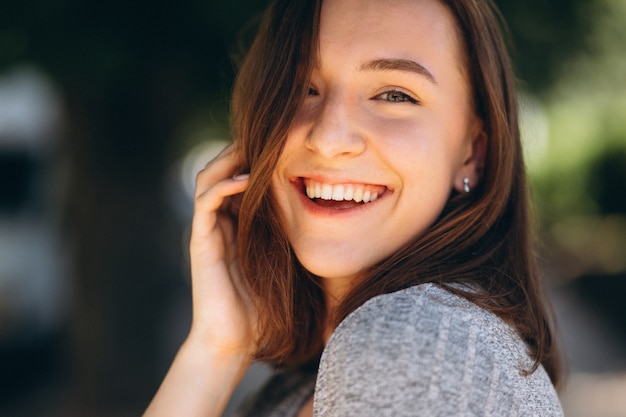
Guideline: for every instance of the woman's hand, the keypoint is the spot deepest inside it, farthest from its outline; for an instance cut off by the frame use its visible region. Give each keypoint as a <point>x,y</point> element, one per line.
<point>223,316</point>
<point>221,342</point>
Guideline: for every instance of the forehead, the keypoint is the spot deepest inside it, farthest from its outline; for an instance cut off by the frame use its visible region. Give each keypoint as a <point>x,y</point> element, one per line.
<point>409,29</point>
<point>409,18</point>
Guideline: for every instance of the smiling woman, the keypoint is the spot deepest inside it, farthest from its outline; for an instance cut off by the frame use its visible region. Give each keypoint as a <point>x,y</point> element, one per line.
<point>378,122</point>
<point>380,254</point>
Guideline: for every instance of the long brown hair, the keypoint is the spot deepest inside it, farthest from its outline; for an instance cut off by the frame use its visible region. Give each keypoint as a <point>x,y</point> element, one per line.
<point>483,240</point>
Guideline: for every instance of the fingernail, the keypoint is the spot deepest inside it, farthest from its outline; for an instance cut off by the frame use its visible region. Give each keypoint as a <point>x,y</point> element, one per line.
<point>240,177</point>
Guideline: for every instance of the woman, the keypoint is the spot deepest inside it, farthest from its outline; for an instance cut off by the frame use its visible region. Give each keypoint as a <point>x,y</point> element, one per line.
<point>379,255</point>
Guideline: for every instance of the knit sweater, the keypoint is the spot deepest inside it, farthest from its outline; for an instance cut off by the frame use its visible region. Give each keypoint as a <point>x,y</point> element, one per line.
<point>421,351</point>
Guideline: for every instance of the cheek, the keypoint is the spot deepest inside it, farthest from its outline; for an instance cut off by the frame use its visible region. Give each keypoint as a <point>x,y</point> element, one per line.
<point>281,191</point>
<point>414,145</point>
<point>278,191</point>
<point>432,144</point>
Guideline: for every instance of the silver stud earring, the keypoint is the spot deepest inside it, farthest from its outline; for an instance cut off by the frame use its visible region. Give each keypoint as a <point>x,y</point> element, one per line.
<point>466,185</point>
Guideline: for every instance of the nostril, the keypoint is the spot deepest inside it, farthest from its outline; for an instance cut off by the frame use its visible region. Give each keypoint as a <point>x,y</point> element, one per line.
<point>333,143</point>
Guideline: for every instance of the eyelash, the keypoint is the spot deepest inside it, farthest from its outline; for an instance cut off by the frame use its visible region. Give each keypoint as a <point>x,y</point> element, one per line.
<point>401,96</point>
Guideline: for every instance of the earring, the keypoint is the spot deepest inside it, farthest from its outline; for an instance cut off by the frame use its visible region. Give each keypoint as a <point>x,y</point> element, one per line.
<point>466,185</point>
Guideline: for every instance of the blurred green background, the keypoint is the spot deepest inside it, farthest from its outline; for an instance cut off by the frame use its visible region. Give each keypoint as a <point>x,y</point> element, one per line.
<point>107,109</point>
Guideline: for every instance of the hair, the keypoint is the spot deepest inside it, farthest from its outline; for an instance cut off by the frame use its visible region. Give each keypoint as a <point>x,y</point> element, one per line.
<point>482,239</point>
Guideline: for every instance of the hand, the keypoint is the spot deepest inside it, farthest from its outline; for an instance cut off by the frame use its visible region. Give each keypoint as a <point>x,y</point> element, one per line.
<point>224,319</point>
<point>221,343</point>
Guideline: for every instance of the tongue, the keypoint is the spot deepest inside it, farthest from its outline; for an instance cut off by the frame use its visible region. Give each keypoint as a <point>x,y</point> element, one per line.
<point>337,205</point>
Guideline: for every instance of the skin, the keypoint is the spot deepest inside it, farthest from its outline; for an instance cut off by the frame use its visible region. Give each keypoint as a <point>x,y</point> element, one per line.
<point>411,136</point>
<point>220,345</point>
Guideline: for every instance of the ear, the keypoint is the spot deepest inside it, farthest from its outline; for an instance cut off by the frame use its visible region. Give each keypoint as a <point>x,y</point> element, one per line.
<point>474,162</point>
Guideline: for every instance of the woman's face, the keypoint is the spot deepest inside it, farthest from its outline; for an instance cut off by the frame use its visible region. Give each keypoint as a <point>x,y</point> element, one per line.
<point>385,134</point>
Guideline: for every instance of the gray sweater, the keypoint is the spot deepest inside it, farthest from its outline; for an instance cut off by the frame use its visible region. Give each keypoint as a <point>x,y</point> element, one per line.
<point>417,352</point>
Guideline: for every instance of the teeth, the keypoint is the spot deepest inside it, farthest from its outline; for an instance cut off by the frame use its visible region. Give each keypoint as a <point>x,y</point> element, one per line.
<point>347,195</point>
<point>343,192</point>
<point>338,193</point>
<point>327,192</point>
<point>358,195</point>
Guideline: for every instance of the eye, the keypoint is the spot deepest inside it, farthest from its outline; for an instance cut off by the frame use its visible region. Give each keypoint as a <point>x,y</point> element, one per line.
<point>396,96</point>
<point>312,91</point>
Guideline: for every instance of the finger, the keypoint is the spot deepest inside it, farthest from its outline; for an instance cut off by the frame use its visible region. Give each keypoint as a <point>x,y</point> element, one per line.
<point>230,244</point>
<point>224,165</point>
<point>208,204</point>
<point>232,205</point>
<point>215,196</point>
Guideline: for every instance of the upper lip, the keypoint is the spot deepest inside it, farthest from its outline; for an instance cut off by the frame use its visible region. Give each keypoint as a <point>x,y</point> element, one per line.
<point>337,180</point>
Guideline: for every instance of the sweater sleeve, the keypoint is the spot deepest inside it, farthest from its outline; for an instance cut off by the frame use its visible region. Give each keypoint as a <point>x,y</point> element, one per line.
<point>425,352</point>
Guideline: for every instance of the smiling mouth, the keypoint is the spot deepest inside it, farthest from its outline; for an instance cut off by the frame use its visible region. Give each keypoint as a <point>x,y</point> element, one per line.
<point>341,196</point>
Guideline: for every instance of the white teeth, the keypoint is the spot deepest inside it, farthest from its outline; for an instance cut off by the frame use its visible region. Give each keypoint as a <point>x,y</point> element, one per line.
<point>327,192</point>
<point>340,192</point>
<point>358,195</point>
<point>347,195</point>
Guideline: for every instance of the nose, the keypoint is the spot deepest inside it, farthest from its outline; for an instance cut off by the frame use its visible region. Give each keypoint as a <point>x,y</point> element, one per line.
<point>335,131</point>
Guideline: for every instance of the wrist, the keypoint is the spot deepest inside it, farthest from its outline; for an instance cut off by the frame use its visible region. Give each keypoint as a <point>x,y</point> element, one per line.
<point>211,355</point>
<point>222,344</point>
<point>200,381</point>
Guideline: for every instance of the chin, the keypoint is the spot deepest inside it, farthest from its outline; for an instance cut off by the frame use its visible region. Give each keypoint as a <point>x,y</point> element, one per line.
<point>340,269</point>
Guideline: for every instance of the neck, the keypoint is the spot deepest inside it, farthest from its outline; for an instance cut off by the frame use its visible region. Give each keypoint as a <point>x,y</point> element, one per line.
<point>335,290</point>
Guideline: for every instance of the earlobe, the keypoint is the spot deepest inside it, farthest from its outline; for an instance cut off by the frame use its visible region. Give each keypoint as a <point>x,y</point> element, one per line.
<point>471,172</point>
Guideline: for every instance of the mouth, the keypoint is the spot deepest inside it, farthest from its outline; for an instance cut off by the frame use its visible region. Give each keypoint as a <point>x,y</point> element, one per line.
<point>341,196</point>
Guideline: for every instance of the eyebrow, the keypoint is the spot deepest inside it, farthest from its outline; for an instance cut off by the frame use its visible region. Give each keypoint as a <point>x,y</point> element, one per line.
<point>398,65</point>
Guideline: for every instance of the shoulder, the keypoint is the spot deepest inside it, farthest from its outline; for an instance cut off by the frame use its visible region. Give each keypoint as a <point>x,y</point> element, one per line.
<point>422,320</point>
<point>425,346</point>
